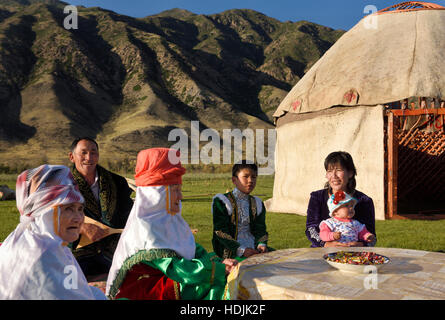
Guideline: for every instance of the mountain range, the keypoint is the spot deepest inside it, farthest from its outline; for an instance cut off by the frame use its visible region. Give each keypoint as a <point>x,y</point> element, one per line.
<point>129,81</point>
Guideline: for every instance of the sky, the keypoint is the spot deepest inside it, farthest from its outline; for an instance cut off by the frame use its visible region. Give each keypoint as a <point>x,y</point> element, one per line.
<point>336,14</point>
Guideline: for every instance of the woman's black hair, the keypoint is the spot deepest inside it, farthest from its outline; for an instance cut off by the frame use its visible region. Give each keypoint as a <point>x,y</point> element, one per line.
<point>344,159</point>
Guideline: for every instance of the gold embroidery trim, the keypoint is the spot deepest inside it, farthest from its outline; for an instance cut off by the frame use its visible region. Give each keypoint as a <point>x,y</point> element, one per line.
<point>224,235</point>
<point>144,276</point>
<point>176,287</point>
<point>234,207</point>
<point>235,215</point>
<point>226,253</point>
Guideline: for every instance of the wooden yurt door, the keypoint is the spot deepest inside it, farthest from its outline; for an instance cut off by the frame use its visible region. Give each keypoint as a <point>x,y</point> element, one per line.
<point>415,161</point>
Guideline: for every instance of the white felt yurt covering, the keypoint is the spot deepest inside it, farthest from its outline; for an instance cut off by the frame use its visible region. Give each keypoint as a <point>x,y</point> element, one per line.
<point>338,104</point>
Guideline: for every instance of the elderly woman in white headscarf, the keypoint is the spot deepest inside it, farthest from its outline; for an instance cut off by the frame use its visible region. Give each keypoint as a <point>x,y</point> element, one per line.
<point>157,257</point>
<point>35,262</point>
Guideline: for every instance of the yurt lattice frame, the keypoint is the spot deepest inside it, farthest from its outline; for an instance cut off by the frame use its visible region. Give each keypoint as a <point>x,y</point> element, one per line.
<point>415,157</point>
<point>411,5</point>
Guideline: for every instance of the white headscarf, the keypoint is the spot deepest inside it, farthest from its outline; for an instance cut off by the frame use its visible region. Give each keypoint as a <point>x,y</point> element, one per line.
<point>34,261</point>
<point>151,225</point>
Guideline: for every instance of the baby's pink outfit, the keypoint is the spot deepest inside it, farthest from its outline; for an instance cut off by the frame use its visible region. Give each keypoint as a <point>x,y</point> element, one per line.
<point>351,230</point>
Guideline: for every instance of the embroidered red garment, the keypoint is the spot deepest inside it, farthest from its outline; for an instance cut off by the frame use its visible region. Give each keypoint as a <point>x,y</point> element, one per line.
<point>158,167</point>
<point>143,282</point>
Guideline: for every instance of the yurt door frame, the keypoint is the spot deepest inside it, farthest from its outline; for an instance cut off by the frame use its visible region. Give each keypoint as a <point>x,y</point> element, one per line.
<point>414,156</point>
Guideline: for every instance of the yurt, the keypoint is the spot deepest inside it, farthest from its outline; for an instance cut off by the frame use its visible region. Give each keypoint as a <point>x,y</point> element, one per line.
<point>377,93</point>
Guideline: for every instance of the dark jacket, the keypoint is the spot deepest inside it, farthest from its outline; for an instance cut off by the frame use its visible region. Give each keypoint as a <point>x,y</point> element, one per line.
<point>113,210</point>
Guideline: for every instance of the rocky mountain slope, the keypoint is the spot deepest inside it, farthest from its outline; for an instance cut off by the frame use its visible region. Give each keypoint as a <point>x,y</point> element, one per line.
<point>128,82</point>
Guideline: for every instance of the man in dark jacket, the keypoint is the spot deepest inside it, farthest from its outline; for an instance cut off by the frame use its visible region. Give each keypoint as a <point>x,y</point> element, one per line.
<point>107,201</point>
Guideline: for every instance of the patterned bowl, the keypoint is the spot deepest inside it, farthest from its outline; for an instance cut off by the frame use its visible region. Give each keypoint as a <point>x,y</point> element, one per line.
<point>356,262</point>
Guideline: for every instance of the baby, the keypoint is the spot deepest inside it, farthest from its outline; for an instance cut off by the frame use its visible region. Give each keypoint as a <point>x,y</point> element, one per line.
<point>341,227</point>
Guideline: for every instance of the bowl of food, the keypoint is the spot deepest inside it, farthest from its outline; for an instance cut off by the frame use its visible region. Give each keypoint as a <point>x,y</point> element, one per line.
<point>357,262</point>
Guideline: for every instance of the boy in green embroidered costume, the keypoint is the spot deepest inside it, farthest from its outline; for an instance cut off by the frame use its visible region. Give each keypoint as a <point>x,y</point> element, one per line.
<point>157,257</point>
<point>239,219</point>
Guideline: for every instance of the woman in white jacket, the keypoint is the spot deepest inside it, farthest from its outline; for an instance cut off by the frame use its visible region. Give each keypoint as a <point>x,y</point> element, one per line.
<point>35,262</point>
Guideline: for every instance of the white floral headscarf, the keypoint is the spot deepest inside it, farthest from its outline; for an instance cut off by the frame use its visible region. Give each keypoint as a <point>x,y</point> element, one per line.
<point>40,264</point>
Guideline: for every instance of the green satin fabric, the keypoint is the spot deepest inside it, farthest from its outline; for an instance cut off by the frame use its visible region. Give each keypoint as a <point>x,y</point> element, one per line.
<point>195,276</point>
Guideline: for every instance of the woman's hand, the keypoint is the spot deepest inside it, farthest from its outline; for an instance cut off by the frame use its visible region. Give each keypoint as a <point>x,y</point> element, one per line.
<point>230,264</point>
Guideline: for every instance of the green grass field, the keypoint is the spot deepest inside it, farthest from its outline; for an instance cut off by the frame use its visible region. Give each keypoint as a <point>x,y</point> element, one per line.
<point>285,230</point>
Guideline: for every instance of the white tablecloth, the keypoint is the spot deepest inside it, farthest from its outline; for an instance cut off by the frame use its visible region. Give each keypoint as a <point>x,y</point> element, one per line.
<point>299,274</point>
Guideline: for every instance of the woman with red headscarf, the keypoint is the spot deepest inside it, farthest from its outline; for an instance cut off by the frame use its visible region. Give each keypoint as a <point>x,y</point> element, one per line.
<point>157,257</point>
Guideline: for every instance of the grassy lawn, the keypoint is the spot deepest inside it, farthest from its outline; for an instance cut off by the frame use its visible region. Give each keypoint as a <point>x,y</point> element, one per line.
<point>285,230</point>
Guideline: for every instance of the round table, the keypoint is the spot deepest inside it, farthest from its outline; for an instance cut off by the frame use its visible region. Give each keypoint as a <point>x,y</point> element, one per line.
<point>298,274</point>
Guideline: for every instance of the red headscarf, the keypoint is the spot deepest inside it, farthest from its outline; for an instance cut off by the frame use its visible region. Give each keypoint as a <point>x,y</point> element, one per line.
<point>154,168</point>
